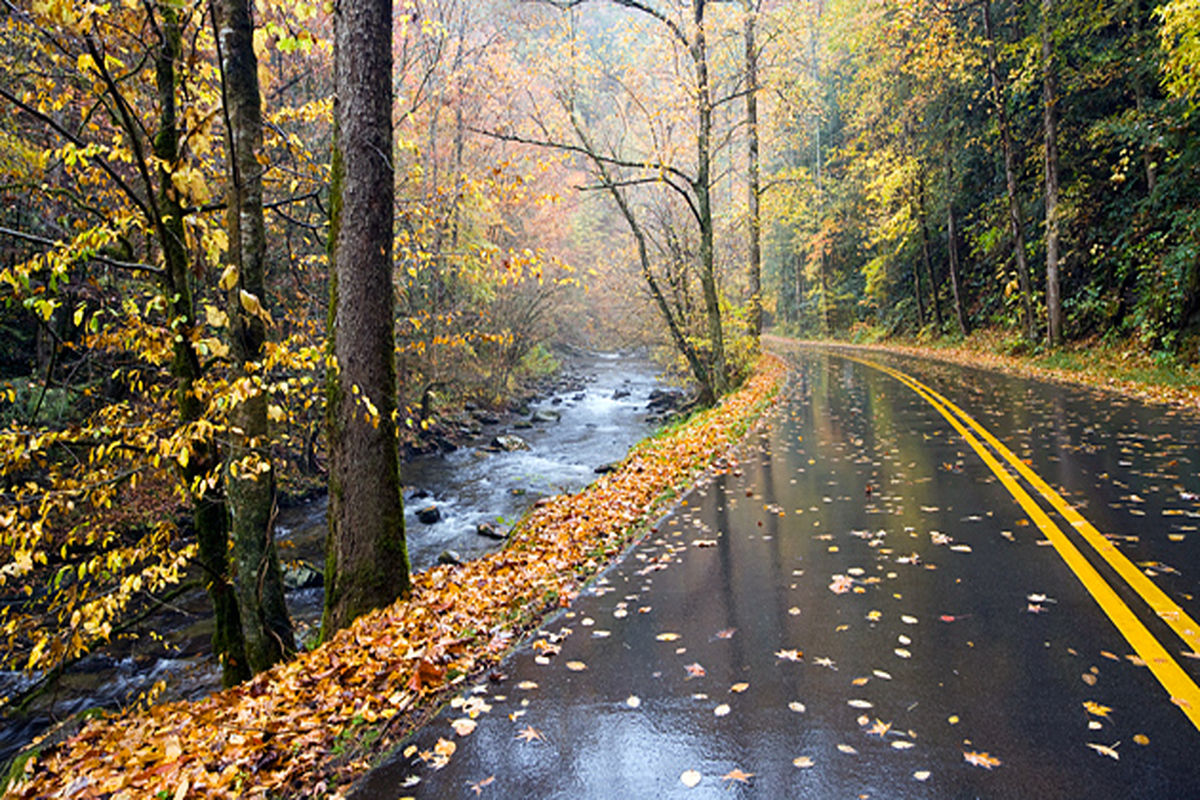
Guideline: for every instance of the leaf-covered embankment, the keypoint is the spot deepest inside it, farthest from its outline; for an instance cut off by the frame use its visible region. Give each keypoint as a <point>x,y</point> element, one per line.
<point>306,727</point>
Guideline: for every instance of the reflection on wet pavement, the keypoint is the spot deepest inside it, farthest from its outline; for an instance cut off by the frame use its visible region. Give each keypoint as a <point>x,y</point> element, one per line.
<point>855,606</point>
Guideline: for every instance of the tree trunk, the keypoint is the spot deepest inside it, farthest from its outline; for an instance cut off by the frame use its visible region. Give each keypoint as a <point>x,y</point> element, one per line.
<point>209,513</point>
<point>1015,217</point>
<point>919,298</point>
<point>926,256</point>
<point>952,249</point>
<point>753,188</point>
<point>1050,129</point>
<point>702,187</point>
<point>250,478</point>
<point>366,559</point>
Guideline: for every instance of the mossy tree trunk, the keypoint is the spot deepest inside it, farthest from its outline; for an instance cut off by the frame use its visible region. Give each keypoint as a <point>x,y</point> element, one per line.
<point>250,477</point>
<point>209,514</point>
<point>366,559</point>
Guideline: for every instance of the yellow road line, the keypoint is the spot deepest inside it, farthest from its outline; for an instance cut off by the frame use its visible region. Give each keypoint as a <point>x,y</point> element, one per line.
<point>1182,689</point>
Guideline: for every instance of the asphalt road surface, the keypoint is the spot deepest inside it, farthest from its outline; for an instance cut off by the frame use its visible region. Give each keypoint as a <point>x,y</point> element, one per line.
<point>873,600</point>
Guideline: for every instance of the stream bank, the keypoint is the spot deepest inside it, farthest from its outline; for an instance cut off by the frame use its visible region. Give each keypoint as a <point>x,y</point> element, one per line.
<point>595,412</point>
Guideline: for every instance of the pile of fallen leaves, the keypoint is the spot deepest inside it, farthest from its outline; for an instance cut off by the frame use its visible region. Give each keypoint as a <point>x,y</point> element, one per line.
<point>285,732</point>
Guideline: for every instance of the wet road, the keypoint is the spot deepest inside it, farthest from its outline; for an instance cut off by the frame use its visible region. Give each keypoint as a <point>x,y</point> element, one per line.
<point>788,632</point>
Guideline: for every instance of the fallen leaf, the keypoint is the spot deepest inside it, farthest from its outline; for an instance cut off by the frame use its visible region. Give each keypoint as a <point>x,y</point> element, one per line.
<point>860,704</point>
<point>690,778</point>
<point>981,760</point>
<point>1105,750</point>
<point>1141,738</point>
<point>694,670</point>
<point>789,655</point>
<point>727,633</point>
<point>880,728</point>
<point>530,734</point>
<point>477,788</point>
<point>803,762</point>
<point>1088,678</point>
<point>633,701</point>
<point>902,744</point>
<point>736,774</point>
<point>464,726</point>
<point>444,747</point>
<point>1095,708</point>
<point>576,666</point>
<point>527,685</point>
<point>738,688</point>
<point>721,710</point>
<point>922,775</point>
<point>847,749</point>
<point>797,706</point>
<point>667,637</point>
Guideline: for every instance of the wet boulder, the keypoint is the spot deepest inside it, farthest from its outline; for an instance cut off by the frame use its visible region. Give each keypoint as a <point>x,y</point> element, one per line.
<point>664,400</point>
<point>510,443</point>
<point>546,415</point>
<point>450,557</point>
<point>620,394</point>
<point>429,515</point>
<point>301,575</point>
<point>490,531</point>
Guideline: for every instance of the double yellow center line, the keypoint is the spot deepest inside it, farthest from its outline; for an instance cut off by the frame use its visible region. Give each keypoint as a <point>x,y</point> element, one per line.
<point>1182,689</point>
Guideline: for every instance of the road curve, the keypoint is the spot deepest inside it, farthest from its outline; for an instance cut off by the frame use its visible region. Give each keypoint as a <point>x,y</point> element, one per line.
<point>916,580</point>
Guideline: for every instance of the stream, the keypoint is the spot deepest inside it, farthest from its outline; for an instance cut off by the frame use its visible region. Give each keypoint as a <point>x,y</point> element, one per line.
<point>593,413</point>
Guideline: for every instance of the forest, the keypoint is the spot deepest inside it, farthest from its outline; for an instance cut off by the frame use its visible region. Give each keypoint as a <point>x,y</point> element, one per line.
<point>250,251</point>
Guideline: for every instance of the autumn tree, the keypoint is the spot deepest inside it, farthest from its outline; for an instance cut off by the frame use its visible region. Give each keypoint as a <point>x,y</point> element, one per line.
<point>366,559</point>
<point>250,477</point>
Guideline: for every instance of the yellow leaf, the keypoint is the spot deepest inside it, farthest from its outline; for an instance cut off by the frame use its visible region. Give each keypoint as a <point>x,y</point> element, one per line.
<point>229,277</point>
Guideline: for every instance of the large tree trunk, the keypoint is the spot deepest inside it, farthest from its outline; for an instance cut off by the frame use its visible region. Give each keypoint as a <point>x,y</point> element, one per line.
<point>209,514</point>
<point>1050,130</point>
<point>366,559</point>
<point>702,187</point>
<point>1015,217</point>
<point>754,267</point>
<point>250,478</point>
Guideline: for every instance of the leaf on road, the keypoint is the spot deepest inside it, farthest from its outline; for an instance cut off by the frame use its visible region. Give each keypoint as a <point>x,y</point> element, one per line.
<point>797,706</point>
<point>1105,750</point>
<point>727,633</point>
<point>1096,709</point>
<point>694,670</point>
<point>860,704</point>
<point>576,666</point>
<point>847,749</point>
<point>789,655</point>
<point>721,710</point>
<point>841,584</point>
<point>922,775</point>
<point>667,637</point>
<point>690,778</point>
<point>737,775</point>
<point>527,685</point>
<point>464,726</point>
<point>633,701</point>
<point>738,688</point>
<point>530,734</point>
<point>477,788</point>
<point>981,759</point>
<point>803,762</point>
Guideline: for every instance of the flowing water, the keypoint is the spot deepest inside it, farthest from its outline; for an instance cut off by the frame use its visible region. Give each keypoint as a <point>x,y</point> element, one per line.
<point>602,411</point>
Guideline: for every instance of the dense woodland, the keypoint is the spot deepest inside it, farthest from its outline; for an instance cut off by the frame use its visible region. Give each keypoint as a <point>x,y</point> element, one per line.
<point>180,188</point>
